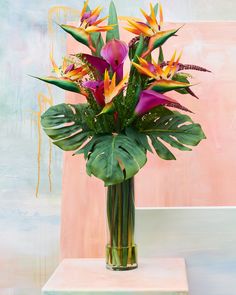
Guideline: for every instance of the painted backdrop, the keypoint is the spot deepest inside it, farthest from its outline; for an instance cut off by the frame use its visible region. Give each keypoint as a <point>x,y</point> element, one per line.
<point>29,227</point>
<point>196,178</point>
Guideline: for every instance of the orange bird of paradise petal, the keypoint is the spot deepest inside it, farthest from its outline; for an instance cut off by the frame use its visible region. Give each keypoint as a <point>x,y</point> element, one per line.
<point>144,70</point>
<point>93,29</point>
<point>151,27</point>
<point>139,28</point>
<point>110,88</point>
<point>154,70</point>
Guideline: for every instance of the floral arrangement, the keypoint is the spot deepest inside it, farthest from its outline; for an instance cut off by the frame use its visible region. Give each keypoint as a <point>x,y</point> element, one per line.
<point>127,114</point>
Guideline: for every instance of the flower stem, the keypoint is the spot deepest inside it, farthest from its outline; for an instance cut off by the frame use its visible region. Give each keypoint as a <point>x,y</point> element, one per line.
<point>121,249</point>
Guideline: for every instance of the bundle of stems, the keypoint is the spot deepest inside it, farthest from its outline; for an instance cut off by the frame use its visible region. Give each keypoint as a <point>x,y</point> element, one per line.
<point>121,252</point>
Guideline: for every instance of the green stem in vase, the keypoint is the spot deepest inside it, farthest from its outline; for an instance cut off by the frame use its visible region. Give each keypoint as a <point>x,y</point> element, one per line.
<point>121,248</point>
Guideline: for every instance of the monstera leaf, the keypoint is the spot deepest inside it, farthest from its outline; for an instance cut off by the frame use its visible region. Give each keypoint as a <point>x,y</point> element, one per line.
<point>140,138</point>
<point>113,158</point>
<point>173,128</point>
<point>63,123</point>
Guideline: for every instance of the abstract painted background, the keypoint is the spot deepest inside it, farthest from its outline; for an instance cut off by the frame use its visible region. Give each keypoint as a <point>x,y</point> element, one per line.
<point>29,226</point>
<point>197,178</point>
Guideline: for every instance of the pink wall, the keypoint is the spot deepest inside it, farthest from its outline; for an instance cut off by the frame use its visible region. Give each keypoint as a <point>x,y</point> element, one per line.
<point>204,177</point>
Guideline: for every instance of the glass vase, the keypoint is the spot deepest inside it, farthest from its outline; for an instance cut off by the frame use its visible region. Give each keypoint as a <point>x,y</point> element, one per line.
<point>121,250</point>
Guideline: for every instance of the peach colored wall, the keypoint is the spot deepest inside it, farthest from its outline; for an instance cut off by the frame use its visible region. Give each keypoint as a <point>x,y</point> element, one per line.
<point>204,177</point>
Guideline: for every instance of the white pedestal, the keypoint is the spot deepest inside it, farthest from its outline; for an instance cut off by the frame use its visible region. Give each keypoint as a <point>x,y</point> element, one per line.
<point>161,276</point>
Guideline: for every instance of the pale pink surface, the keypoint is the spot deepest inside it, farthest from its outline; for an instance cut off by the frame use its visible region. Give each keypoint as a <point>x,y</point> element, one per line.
<point>204,177</point>
<point>159,274</point>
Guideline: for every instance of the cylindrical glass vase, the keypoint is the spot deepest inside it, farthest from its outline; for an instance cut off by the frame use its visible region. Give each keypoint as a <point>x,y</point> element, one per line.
<point>121,250</point>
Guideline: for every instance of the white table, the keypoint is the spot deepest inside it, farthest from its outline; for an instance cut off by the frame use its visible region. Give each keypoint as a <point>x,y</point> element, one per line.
<point>160,276</point>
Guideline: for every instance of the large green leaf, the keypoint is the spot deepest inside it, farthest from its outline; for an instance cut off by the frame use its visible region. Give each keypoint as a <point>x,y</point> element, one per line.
<point>113,20</point>
<point>175,129</point>
<point>63,123</point>
<point>146,121</point>
<point>113,158</point>
<point>140,138</point>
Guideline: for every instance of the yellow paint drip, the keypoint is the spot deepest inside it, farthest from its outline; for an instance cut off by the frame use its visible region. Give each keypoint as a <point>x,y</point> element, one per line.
<point>61,14</point>
<point>56,14</point>
<point>43,102</point>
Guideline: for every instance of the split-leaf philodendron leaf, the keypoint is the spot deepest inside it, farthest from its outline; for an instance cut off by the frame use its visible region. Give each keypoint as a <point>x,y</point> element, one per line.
<point>63,123</point>
<point>113,158</point>
<point>175,129</point>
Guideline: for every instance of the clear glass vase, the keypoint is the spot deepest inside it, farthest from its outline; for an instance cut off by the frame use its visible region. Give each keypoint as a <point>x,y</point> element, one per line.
<point>121,250</point>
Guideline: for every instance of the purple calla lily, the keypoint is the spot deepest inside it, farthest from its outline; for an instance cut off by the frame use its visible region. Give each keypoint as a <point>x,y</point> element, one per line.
<point>150,99</point>
<point>115,53</point>
<point>98,63</point>
<point>97,87</point>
